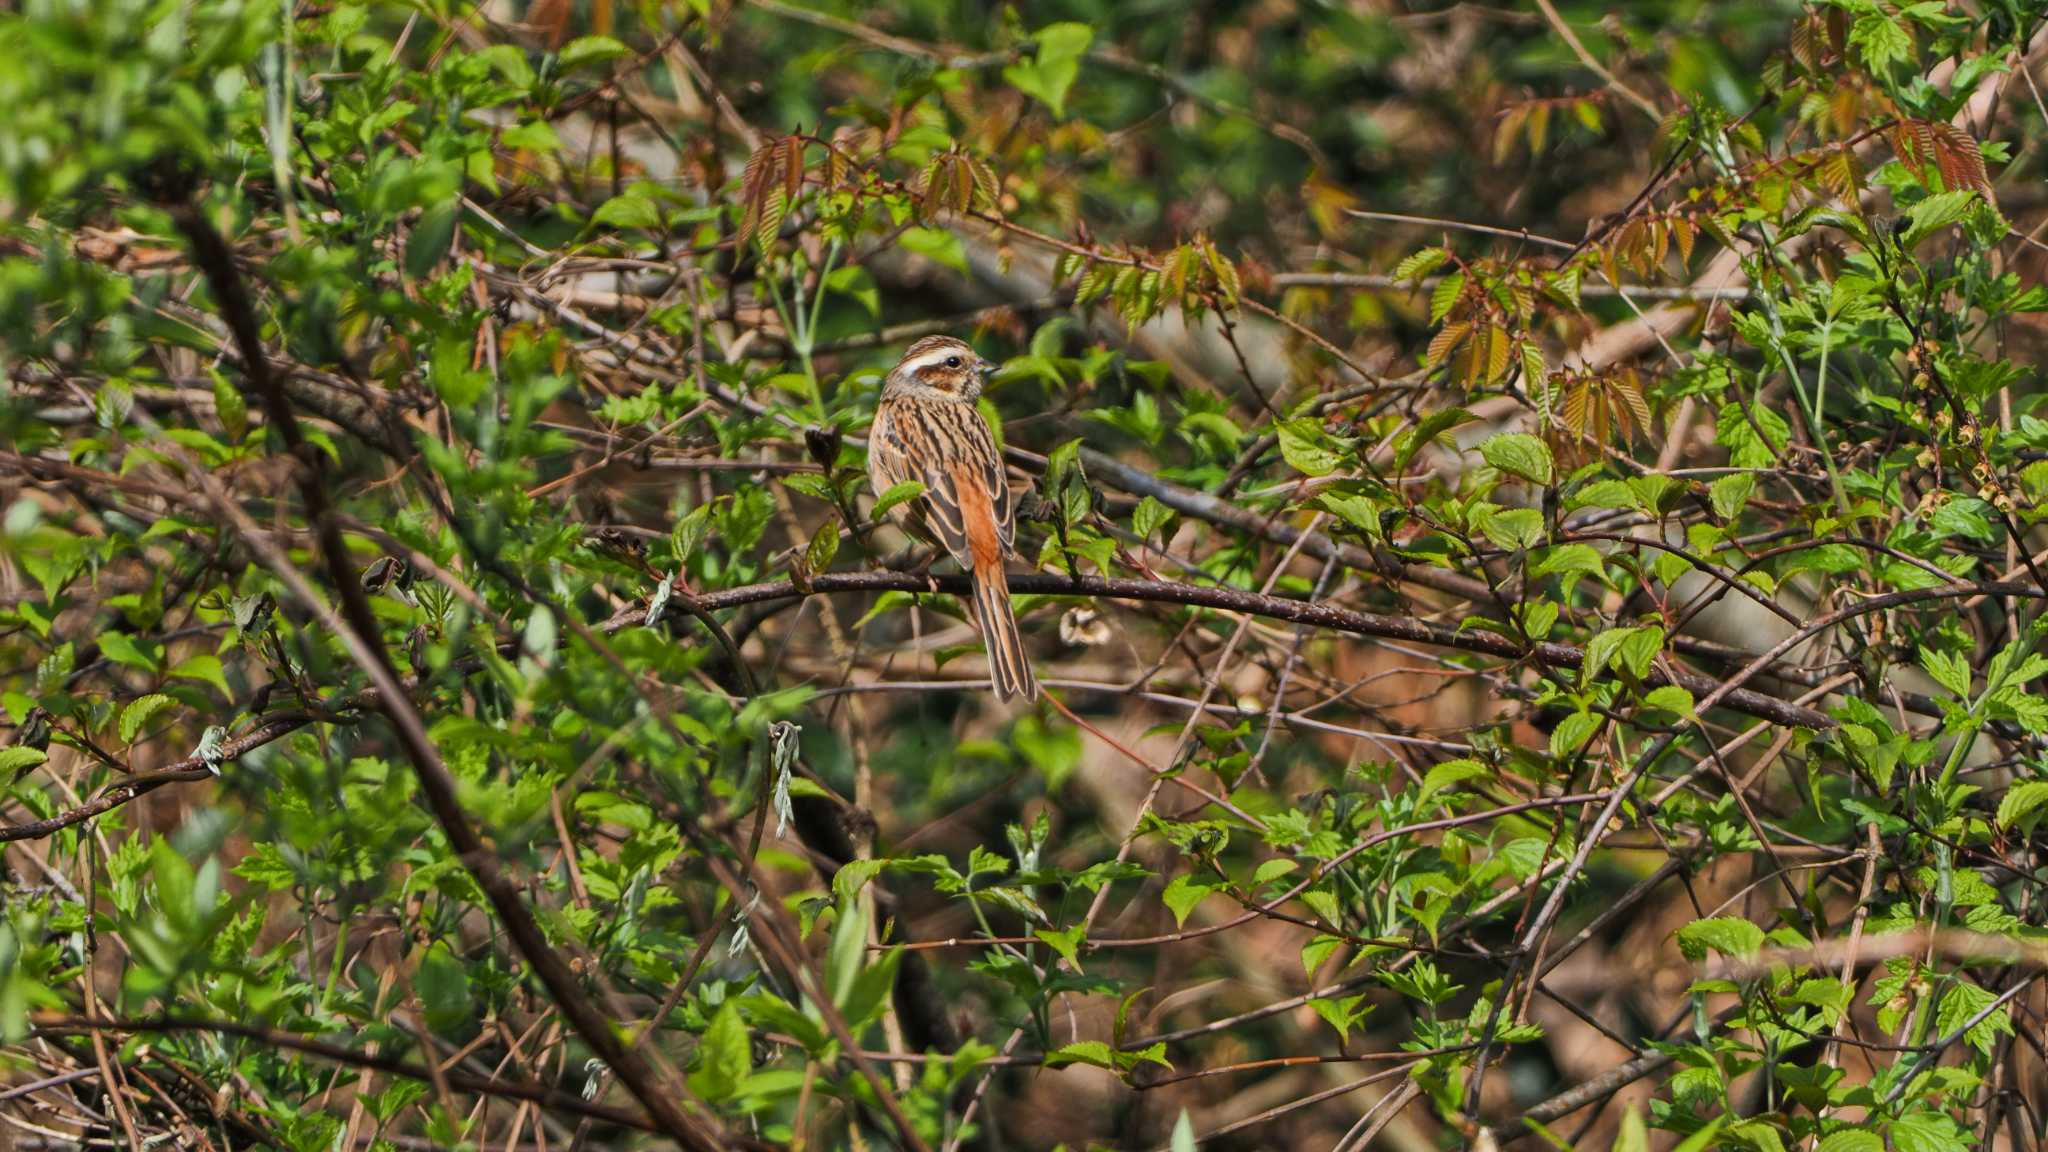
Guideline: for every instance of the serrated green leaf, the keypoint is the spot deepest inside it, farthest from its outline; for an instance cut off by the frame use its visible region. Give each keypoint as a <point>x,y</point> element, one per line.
<point>1520,454</point>
<point>2021,802</point>
<point>900,492</point>
<point>1445,296</point>
<point>1948,669</point>
<point>1449,772</point>
<point>1730,494</point>
<point>1935,213</point>
<point>138,713</point>
<point>1728,935</point>
<point>1308,449</point>
<point>1149,517</point>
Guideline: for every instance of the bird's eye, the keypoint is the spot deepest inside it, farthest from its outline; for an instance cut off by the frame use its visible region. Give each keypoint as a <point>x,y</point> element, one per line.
<point>952,361</point>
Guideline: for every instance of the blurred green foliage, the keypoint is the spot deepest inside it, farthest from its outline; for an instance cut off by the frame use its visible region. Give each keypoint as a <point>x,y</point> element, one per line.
<point>585,309</point>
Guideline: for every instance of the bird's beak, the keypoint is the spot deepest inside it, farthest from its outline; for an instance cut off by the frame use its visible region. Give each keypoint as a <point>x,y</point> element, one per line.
<point>984,369</point>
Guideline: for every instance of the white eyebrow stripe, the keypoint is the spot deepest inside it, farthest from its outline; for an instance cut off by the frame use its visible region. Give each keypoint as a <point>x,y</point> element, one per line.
<point>929,359</point>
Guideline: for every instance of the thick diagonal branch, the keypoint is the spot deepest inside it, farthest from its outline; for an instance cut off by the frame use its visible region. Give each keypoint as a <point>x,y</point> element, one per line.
<point>360,635</point>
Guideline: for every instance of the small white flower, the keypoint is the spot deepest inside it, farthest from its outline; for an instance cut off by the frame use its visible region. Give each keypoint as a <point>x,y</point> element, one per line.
<point>782,749</point>
<point>662,592</point>
<point>209,751</point>
<point>1084,627</point>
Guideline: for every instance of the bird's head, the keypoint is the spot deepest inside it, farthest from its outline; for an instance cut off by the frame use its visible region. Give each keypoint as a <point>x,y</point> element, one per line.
<point>939,368</point>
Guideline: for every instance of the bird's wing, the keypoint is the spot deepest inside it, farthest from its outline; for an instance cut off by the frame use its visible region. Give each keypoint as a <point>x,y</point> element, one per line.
<point>966,504</point>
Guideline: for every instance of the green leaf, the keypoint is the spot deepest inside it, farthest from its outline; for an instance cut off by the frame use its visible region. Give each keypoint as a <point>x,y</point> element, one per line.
<point>1420,264</point>
<point>532,136</point>
<point>1361,512</point>
<point>121,648</point>
<point>1670,698</point>
<point>1750,434</point>
<point>1930,1132</point>
<point>205,668</point>
<point>1572,732</point>
<point>1629,649</point>
<point>1308,449</point>
<point>1149,517</point>
<point>442,983</point>
<point>1340,1014</point>
<point>1730,494</point>
<point>1445,296</point>
<point>871,990</point>
<point>1703,1139</point>
<point>1517,529</point>
<point>1639,650</point>
<point>1426,430</point>
<point>1881,40</point>
<point>824,546</point>
<point>586,50</point>
<point>1633,1136</point>
<point>138,713</point>
<point>1271,870</point>
<point>231,407</point>
<point>267,865</point>
<point>1538,617</point>
<point>1066,942</point>
<point>1520,454</point>
<point>852,877</point>
<point>849,946</point>
<point>778,1015</point>
<point>1181,896</point>
<point>430,238</point>
<point>1183,1138</point>
<point>857,284</point>
<point>19,758</point>
<point>2021,802</point>
<point>1572,559</point>
<point>1761,1135</point>
<point>1093,1052</point>
<point>724,1056</point>
<point>1935,213</point>
<point>1449,772</point>
<point>1607,493</point>
<point>899,493</point>
<point>1728,935</point>
<point>537,639</point>
<point>1052,69</point>
<point>936,245</point>
<point>1851,1140</point>
<point>1948,669</point>
<point>1961,1004</point>
<point>629,210</point>
<point>1318,950</point>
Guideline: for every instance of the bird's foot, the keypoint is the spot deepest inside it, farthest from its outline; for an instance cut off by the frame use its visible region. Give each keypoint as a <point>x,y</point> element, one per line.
<point>915,561</point>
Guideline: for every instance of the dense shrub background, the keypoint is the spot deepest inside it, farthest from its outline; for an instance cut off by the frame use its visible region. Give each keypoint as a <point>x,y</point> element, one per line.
<point>1535,554</point>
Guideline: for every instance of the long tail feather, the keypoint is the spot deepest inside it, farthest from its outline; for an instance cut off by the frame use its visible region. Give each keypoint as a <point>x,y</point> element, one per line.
<point>1007,662</point>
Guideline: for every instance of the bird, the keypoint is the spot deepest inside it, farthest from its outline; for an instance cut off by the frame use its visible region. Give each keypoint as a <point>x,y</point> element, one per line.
<point>927,429</point>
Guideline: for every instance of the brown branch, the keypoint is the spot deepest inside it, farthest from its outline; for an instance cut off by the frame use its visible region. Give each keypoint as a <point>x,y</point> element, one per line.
<point>51,1025</point>
<point>1317,615</point>
<point>270,728</point>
